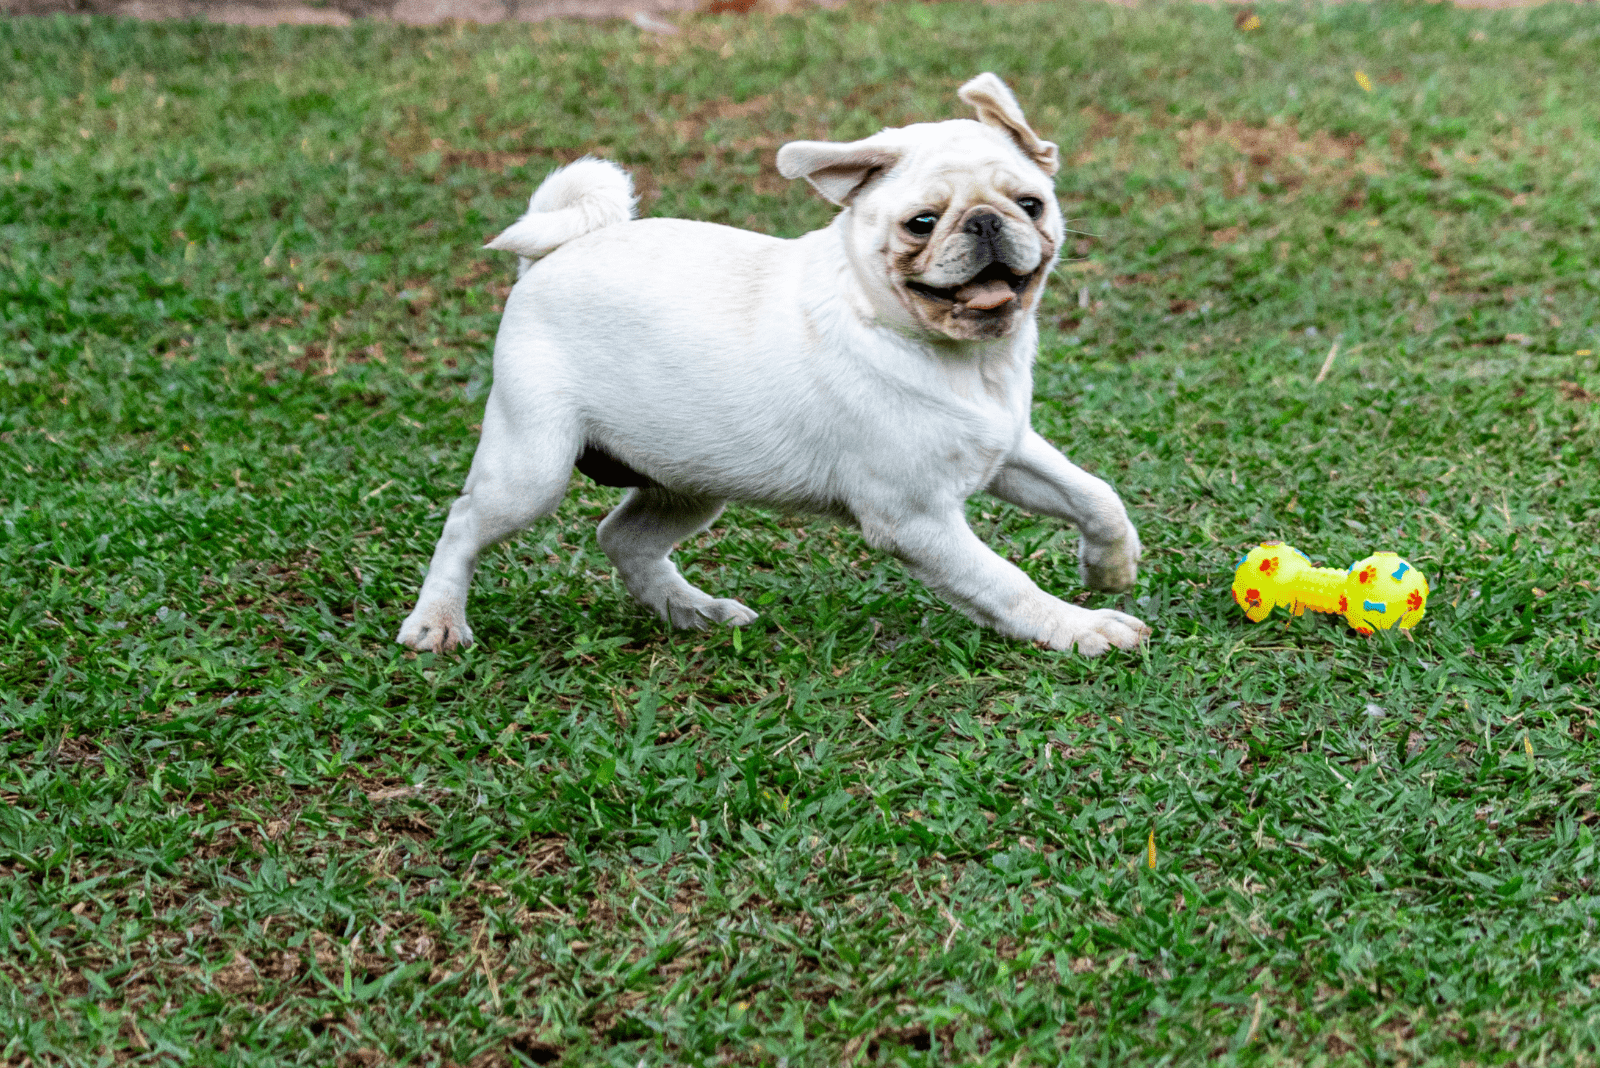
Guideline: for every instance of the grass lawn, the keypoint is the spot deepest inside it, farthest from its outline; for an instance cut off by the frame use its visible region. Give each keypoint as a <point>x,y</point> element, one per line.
<point>245,336</point>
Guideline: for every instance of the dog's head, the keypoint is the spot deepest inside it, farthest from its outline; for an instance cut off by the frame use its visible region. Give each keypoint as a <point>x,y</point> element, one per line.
<point>951,226</point>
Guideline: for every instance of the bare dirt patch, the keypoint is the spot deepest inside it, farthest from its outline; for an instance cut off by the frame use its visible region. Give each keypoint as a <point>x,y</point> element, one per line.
<point>646,14</point>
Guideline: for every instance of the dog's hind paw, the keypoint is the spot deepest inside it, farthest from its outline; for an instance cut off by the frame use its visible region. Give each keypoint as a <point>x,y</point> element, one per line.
<point>731,612</point>
<point>438,630</point>
<point>699,615</point>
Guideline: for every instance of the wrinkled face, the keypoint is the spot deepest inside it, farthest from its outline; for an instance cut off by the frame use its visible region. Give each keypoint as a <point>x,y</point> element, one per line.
<point>961,231</point>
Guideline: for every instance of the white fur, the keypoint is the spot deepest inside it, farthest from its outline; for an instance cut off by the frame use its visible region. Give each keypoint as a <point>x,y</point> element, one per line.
<point>731,366</point>
<point>573,200</point>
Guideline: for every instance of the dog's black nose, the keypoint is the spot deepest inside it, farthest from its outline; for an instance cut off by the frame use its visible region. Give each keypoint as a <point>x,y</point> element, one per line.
<point>984,224</point>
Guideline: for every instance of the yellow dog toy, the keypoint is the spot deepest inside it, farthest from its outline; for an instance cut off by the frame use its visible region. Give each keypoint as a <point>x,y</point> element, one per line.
<point>1377,593</point>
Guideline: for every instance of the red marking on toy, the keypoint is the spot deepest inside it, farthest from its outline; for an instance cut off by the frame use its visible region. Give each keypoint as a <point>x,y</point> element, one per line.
<point>1344,604</point>
<point>1252,598</point>
<point>1270,565</point>
<point>1367,574</point>
<point>1414,602</point>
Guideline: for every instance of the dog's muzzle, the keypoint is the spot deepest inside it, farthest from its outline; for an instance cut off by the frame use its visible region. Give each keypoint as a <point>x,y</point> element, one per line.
<point>989,290</point>
<point>996,284</point>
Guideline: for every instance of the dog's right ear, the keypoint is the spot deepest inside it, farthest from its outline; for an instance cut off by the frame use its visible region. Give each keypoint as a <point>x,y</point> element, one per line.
<point>837,171</point>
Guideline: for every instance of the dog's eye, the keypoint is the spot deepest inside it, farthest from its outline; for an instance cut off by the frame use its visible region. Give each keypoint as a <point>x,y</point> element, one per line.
<point>1032,205</point>
<point>922,225</point>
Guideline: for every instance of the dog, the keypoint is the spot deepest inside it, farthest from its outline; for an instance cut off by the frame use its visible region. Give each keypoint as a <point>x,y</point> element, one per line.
<point>878,370</point>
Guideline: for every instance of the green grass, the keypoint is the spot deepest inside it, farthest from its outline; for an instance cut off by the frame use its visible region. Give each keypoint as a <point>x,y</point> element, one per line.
<point>244,335</point>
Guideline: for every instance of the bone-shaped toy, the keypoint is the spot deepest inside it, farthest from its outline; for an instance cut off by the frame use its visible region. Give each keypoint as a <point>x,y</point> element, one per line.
<point>1377,593</point>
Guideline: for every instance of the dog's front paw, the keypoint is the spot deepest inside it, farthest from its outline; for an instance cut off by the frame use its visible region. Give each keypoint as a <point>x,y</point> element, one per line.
<point>435,629</point>
<point>1093,632</point>
<point>1110,566</point>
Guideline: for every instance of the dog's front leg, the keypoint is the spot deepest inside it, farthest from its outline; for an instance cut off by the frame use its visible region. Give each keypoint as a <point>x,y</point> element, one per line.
<point>943,552</point>
<point>1037,477</point>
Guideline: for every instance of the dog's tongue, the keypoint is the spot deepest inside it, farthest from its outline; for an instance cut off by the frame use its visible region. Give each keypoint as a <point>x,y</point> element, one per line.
<point>984,296</point>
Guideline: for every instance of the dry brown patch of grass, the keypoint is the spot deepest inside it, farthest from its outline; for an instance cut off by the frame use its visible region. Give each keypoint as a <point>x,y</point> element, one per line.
<point>1247,155</point>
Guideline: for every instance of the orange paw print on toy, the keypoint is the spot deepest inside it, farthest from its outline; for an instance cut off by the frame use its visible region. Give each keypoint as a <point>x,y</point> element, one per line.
<point>1252,598</point>
<point>1269,566</point>
<point>1344,604</point>
<point>1414,602</point>
<point>1367,574</point>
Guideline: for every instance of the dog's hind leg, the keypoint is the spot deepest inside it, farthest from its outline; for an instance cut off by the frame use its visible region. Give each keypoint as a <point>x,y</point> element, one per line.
<point>519,474</point>
<point>639,534</point>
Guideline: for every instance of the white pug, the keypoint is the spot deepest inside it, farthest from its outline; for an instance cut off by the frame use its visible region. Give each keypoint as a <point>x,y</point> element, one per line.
<point>879,370</point>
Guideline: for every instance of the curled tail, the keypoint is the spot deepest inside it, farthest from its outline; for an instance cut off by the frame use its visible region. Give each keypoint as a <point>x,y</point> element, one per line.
<point>581,197</point>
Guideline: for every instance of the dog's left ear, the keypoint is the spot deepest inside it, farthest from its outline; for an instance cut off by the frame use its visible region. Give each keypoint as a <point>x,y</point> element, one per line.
<point>837,171</point>
<point>997,107</point>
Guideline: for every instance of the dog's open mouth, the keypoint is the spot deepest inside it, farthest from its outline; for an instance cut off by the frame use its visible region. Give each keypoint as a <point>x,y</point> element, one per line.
<point>989,290</point>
